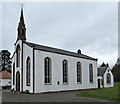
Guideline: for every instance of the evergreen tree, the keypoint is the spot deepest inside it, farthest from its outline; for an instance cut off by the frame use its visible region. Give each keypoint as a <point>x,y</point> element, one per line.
<point>116,72</point>
<point>6,61</point>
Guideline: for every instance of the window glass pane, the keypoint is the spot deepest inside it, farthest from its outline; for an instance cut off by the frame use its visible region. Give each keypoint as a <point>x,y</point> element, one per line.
<point>108,78</point>
<point>91,73</point>
<point>78,79</point>
<point>28,71</point>
<point>78,72</point>
<point>47,70</point>
<point>64,71</point>
<point>18,56</point>
<point>45,79</point>
<point>48,79</point>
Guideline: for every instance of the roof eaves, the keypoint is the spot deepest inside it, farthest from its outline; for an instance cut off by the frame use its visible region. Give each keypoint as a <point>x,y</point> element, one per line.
<point>58,51</point>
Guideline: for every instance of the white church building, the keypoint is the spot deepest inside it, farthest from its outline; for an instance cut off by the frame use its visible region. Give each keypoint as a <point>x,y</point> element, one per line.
<point>38,69</point>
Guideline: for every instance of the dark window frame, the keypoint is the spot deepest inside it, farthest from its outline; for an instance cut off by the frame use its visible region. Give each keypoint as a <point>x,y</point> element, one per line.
<point>18,56</point>
<point>47,71</point>
<point>28,70</point>
<point>108,78</point>
<point>79,73</point>
<point>91,73</point>
<point>14,73</point>
<point>65,72</point>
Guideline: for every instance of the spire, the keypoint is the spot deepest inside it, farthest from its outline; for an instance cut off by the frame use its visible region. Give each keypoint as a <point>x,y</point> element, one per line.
<point>22,17</point>
<point>21,27</point>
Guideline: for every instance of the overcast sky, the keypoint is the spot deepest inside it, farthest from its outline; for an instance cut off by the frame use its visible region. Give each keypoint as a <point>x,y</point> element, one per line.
<point>89,26</point>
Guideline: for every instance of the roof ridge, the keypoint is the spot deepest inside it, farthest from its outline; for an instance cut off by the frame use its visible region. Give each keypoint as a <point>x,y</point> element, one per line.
<point>57,50</point>
<point>50,47</point>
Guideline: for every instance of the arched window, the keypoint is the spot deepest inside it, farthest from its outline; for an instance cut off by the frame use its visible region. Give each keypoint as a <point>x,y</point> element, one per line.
<point>28,71</point>
<point>79,74</point>
<point>91,73</point>
<point>47,70</point>
<point>18,56</point>
<point>108,79</point>
<point>65,72</point>
<point>13,73</point>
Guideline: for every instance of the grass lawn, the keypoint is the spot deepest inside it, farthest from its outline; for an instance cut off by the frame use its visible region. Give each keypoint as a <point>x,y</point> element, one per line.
<point>104,93</point>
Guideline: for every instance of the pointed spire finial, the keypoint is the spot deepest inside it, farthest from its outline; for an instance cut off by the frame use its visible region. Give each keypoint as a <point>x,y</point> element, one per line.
<point>21,8</point>
<point>22,17</point>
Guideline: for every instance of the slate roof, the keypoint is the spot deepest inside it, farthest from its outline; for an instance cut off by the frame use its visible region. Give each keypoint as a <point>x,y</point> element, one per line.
<point>58,51</point>
<point>5,75</point>
<point>101,70</point>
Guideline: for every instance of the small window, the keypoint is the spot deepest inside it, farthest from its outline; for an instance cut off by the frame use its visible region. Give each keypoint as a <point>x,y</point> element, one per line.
<point>108,79</point>
<point>91,73</point>
<point>65,72</point>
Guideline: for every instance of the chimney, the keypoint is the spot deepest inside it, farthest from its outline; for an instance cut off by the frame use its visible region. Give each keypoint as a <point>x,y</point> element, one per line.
<point>79,51</point>
<point>107,65</point>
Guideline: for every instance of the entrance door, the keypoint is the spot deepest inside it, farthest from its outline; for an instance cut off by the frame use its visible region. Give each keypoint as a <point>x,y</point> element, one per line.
<point>18,82</point>
<point>98,83</point>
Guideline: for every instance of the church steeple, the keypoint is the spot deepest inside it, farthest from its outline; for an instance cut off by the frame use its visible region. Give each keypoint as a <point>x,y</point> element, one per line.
<point>21,27</point>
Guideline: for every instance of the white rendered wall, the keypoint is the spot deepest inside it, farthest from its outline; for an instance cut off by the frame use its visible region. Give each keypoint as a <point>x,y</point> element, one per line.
<point>17,69</point>
<point>105,78</point>
<point>56,60</point>
<point>27,52</point>
<point>56,71</point>
<point>5,82</point>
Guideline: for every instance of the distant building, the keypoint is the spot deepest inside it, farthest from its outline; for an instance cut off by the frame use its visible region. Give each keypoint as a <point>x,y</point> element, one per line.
<point>5,78</point>
<point>105,77</point>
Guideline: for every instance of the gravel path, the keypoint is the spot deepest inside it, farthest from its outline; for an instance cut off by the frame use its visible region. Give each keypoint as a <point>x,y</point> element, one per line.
<point>8,96</point>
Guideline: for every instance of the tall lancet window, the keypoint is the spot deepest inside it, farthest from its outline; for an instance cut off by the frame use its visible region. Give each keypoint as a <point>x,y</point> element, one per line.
<point>18,56</point>
<point>47,70</point>
<point>108,79</point>
<point>91,73</point>
<point>79,74</point>
<point>65,72</point>
<point>13,73</point>
<point>28,71</point>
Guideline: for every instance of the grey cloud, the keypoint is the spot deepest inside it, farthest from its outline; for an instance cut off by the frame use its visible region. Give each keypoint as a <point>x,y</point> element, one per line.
<point>91,27</point>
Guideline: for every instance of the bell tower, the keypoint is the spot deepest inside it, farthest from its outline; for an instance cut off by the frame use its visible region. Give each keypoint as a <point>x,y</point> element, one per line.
<point>21,27</point>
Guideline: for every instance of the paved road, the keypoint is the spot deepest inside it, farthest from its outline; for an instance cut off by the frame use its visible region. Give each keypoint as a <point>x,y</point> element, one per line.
<point>8,96</point>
